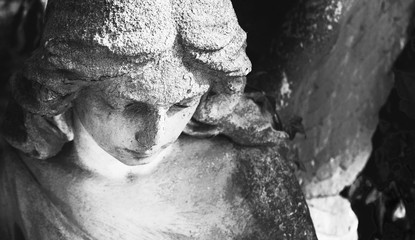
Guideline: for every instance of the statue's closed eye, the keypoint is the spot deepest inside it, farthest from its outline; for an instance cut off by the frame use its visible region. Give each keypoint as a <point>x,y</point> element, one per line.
<point>185,103</point>
<point>140,108</point>
<point>134,109</point>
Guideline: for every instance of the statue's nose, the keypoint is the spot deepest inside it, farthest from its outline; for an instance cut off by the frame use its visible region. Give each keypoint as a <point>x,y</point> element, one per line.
<point>151,132</point>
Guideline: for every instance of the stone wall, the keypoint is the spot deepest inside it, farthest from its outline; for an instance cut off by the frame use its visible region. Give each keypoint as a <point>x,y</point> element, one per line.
<point>329,63</point>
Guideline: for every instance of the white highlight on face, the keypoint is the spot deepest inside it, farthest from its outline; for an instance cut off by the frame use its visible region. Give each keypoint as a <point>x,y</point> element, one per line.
<point>134,117</point>
<point>96,160</point>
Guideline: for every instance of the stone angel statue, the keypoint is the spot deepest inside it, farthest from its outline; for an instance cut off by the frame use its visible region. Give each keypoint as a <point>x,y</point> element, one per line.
<point>96,121</point>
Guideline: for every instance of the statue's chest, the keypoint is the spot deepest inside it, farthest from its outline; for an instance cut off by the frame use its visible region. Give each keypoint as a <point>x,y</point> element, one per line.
<point>190,195</point>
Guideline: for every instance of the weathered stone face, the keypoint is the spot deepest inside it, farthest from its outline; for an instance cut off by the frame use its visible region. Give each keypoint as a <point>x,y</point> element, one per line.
<point>71,59</point>
<point>152,61</point>
<point>134,120</point>
<point>91,41</point>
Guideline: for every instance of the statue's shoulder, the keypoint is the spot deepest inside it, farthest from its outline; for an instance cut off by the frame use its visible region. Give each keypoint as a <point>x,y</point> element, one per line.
<point>215,147</point>
<point>263,177</point>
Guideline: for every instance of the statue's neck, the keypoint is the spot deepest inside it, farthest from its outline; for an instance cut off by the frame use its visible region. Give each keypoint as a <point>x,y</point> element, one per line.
<point>91,157</point>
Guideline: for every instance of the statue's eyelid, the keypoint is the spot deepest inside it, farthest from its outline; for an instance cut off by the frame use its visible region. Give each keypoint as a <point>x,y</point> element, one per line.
<point>185,103</point>
<point>179,105</point>
<point>188,102</point>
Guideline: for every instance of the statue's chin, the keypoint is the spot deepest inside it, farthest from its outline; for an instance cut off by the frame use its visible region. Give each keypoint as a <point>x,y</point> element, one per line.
<point>114,163</point>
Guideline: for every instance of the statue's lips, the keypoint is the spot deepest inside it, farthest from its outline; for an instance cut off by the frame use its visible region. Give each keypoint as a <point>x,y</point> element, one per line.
<point>147,156</point>
<point>140,154</point>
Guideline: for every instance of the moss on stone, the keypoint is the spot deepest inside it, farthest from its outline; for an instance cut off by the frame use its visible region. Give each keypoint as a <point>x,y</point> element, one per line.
<point>274,196</point>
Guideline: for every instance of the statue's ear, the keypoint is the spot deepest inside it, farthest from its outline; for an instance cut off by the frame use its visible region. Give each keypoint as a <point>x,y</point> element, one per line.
<point>35,135</point>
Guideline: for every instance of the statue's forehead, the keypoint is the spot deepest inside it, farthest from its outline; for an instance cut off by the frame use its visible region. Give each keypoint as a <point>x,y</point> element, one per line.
<point>164,82</point>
